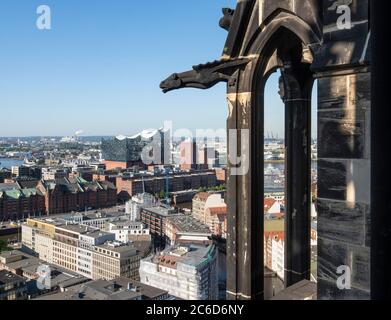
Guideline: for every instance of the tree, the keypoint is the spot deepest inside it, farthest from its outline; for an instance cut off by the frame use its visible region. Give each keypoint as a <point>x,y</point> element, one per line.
<point>162,195</point>
<point>3,246</point>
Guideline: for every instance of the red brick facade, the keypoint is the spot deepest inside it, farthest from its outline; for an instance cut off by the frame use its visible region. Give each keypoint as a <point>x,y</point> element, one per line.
<point>23,207</point>
<point>180,182</point>
<point>60,200</point>
<point>112,165</point>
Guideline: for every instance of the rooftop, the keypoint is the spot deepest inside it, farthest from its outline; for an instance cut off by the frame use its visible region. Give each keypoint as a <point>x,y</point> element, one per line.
<point>17,260</point>
<point>220,210</point>
<point>185,223</point>
<point>161,210</point>
<point>62,224</point>
<point>125,223</point>
<point>202,196</point>
<point>81,229</point>
<point>117,247</point>
<point>193,256</point>
<point>118,289</point>
<point>30,266</point>
<point>8,277</point>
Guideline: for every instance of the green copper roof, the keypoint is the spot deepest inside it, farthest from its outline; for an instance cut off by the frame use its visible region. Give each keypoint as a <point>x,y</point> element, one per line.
<point>30,192</point>
<point>13,194</point>
<point>19,193</point>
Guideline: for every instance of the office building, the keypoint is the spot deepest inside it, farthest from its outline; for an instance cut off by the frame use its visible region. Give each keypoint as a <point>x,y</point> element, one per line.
<point>87,251</point>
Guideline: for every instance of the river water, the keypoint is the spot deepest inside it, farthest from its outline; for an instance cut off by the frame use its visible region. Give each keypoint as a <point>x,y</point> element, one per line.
<point>8,163</point>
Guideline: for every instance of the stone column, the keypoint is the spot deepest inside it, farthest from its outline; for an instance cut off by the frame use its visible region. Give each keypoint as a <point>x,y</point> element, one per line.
<point>245,190</point>
<point>344,111</point>
<point>297,99</point>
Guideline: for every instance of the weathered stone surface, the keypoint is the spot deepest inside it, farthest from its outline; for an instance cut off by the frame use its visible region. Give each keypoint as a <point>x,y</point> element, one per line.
<point>303,290</point>
<point>345,92</point>
<point>359,11</point>
<point>341,221</point>
<point>331,255</point>
<point>361,268</point>
<point>368,230</point>
<point>340,137</point>
<point>332,180</point>
<point>329,291</point>
<point>344,47</point>
<point>288,30</point>
<point>332,93</point>
<point>334,254</point>
<point>360,91</point>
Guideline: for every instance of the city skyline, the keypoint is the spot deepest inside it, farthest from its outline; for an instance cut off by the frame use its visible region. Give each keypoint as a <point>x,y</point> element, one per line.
<point>97,68</point>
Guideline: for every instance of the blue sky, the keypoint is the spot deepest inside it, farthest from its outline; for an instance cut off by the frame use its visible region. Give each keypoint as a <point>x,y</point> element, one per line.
<point>99,68</point>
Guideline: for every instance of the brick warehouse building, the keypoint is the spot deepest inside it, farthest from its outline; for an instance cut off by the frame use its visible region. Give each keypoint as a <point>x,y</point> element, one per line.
<point>18,203</point>
<point>19,200</point>
<point>128,187</point>
<point>76,194</point>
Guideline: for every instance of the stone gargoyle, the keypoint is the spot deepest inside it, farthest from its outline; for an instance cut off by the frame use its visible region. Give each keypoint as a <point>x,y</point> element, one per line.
<point>204,76</point>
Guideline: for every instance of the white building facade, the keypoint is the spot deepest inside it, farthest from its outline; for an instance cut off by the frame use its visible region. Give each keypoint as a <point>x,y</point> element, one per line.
<point>189,274</point>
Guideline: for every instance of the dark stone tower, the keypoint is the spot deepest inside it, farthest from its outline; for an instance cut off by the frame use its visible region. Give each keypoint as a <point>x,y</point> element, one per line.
<point>330,41</point>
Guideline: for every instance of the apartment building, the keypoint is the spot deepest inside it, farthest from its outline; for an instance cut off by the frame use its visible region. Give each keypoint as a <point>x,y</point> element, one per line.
<point>211,209</point>
<point>186,272</point>
<point>274,252</point>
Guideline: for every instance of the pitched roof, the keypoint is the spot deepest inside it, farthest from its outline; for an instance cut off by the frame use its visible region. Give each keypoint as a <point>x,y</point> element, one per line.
<point>31,192</point>
<point>8,186</point>
<point>203,196</point>
<point>218,210</point>
<point>8,277</point>
<point>276,235</point>
<point>268,203</point>
<point>13,194</point>
<point>106,185</point>
<point>28,183</point>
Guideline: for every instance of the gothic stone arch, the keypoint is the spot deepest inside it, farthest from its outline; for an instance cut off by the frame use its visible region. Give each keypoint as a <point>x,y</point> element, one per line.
<point>302,39</point>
